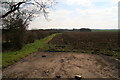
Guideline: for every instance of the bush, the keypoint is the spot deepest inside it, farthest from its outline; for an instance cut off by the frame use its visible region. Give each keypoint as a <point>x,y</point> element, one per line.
<point>31,37</point>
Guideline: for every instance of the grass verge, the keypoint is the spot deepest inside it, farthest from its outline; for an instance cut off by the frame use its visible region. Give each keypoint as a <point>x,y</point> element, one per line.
<point>9,58</point>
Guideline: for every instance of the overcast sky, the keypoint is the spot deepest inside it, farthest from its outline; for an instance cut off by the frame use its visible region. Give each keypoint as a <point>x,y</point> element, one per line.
<point>69,14</point>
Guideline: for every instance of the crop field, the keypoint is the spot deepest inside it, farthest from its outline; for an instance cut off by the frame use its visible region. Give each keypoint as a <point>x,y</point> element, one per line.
<point>86,42</point>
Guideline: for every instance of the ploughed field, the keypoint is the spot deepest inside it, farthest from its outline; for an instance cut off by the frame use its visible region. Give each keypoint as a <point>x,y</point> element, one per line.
<point>87,42</point>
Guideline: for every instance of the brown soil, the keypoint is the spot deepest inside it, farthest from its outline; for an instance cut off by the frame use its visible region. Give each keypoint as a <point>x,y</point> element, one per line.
<point>66,65</point>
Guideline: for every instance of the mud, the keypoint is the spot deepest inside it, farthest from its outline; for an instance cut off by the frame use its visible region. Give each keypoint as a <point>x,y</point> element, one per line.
<point>64,65</point>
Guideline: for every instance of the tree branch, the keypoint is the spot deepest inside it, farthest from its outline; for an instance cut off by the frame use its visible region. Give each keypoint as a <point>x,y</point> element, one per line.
<point>13,9</point>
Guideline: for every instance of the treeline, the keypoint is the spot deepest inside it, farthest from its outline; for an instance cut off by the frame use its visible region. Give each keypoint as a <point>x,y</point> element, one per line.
<point>15,40</point>
<point>69,30</point>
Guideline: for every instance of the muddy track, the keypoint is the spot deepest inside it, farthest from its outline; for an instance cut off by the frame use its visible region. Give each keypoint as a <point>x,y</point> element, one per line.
<point>66,65</point>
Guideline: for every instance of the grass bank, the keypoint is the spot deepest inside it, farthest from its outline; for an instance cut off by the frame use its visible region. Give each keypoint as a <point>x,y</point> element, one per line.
<point>9,58</point>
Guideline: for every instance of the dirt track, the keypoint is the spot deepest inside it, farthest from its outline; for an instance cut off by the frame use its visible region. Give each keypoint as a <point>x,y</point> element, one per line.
<point>66,65</point>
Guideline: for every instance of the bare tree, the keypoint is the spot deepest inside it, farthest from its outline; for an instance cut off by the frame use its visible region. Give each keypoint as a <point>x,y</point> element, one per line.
<point>39,6</point>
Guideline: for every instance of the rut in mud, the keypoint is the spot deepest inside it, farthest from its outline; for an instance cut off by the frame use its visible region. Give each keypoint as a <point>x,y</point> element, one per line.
<point>66,65</point>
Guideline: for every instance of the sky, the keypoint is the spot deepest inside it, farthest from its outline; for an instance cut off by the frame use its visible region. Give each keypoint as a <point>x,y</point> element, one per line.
<point>69,14</point>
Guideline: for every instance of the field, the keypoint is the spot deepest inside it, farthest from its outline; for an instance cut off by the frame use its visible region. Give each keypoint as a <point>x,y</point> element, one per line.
<point>65,55</point>
<point>86,42</point>
<point>106,30</point>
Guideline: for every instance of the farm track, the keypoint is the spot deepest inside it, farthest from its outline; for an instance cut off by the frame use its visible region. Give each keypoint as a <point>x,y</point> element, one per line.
<point>66,65</point>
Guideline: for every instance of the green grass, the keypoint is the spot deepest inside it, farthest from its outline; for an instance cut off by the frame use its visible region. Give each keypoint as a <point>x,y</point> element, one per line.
<point>105,30</point>
<point>9,58</point>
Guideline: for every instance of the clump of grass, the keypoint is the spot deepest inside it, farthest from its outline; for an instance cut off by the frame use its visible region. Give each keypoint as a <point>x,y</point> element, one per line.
<point>9,58</point>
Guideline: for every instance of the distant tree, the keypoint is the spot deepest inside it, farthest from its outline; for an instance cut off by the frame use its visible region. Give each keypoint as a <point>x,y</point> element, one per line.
<point>85,30</point>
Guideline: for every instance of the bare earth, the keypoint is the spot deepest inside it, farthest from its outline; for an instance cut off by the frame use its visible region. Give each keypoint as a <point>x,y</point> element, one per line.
<point>66,65</point>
